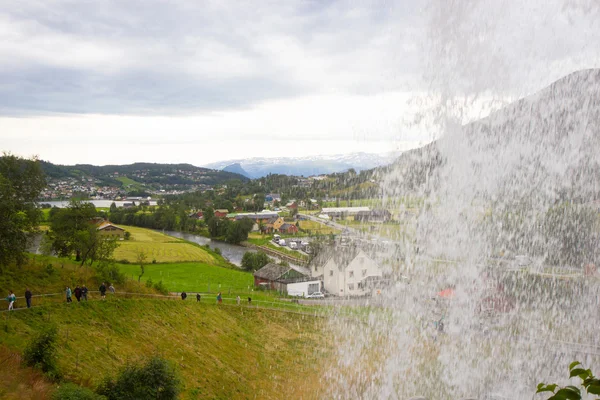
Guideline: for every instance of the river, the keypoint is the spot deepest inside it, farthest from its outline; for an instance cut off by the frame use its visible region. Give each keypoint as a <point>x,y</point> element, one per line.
<point>231,252</point>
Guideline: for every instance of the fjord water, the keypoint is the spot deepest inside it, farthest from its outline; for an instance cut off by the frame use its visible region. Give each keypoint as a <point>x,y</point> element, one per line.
<point>496,289</point>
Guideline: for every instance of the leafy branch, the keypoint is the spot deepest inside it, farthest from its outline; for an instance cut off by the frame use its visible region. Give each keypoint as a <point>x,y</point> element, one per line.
<point>590,383</point>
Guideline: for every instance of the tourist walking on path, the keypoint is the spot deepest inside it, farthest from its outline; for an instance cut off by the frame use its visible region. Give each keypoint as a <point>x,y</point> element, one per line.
<point>111,288</point>
<point>68,291</point>
<point>28,297</point>
<point>238,300</point>
<point>78,293</point>
<point>102,290</point>
<point>11,300</point>
<point>197,296</point>
<point>84,292</point>
<point>219,298</point>
<point>183,295</point>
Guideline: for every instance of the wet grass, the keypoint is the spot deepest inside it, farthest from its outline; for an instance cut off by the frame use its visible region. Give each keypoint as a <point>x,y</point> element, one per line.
<point>159,247</point>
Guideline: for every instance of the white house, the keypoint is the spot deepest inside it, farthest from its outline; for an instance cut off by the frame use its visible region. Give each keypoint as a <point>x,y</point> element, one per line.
<point>350,276</point>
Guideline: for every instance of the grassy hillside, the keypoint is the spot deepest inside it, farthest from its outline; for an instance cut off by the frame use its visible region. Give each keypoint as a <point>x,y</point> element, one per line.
<point>45,274</point>
<point>192,277</point>
<point>159,247</point>
<point>220,351</point>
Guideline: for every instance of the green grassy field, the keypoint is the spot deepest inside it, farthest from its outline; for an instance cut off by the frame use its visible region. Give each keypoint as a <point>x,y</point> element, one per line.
<point>219,351</point>
<point>159,247</point>
<point>316,228</point>
<point>192,276</point>
<point>130,184</point>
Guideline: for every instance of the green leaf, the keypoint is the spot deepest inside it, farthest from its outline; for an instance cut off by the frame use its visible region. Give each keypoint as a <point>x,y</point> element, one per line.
<point>546,388</point>
<point>582,373</point>
<point>574,364</point>
<point>566,394</point>
<point>593,389</point>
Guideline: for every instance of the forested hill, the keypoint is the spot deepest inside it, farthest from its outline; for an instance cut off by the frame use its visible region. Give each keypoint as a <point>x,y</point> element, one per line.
<point>145,173</point>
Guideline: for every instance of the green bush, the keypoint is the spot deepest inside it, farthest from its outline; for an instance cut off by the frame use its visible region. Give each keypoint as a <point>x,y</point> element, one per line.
<point>149,283</point>
<point>41,352</point>
<point>71,391</point>
<point>155,380</point>
<point>217,250</point>
<point>160,287</point>
<point>106,272</point>
<point>50,269</point>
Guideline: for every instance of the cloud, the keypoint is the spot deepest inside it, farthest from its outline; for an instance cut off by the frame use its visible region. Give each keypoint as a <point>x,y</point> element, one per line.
<point>186,56</point>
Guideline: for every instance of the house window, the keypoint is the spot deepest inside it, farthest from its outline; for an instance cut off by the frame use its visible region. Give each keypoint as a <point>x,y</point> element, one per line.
<point>364,272</point>
<point>351,274</point>
<point>331,273</point>
<point>351,286</point>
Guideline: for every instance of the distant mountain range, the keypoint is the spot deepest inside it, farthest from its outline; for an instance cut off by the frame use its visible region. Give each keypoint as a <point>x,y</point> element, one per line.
<point>304,166</point>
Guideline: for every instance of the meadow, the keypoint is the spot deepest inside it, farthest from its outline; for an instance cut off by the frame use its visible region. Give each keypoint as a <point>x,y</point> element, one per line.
<point>193,276</point>
<point>159,247</point>
<point>219,351</point>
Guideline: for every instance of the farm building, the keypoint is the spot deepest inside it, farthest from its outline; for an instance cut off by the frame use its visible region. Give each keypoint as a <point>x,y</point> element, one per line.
<point>221,213</point>
<point>343,212</point>
<point>373,216</point>
<point>274,224</point>
<point>108,229</point>
<point>288,229</point>
<point>276,277</point>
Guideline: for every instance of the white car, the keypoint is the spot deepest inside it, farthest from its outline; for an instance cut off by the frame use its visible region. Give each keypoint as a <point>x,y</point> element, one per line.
<point>315,295</point>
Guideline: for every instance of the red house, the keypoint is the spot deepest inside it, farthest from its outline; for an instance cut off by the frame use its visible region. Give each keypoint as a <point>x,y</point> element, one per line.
<point>221,213</point>
<point>288,229</point>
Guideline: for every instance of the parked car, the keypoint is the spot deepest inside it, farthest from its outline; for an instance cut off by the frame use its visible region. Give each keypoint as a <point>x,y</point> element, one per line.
<point>315,295</point>
<point>281,242</point>
<point>276,238</point>
<point>293,245</point>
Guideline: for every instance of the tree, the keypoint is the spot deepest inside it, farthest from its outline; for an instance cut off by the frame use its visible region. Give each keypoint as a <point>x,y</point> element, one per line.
<point>252,261</point>
<point>113,207</point>
<point>141,260</point>
<point>21,182</point>
<point>73,231</point>
<point>218,227</point>
<point>238,231</point>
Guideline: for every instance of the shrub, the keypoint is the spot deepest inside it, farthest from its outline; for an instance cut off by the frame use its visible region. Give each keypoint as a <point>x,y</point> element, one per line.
<point>124,261</point>
<point>50,269</point>
<point>41,352</point>
<point>149,283</point>
<point>154,380</point>
<point>217,250</point>
<point>71,391</point>
<point>154,261</point>
<point>109,273</point>
<point>160,287</point>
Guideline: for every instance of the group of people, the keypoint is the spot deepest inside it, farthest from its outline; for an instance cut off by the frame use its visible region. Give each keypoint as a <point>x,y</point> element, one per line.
<point>82,292</point>
<point>219,298</point>
<point>12,299</point>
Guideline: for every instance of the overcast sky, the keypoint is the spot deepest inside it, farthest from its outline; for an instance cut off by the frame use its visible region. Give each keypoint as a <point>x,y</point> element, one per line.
<point>121,81</point>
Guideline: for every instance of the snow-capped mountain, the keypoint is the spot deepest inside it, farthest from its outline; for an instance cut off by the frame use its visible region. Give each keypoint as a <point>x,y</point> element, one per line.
<point>306,166</point>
